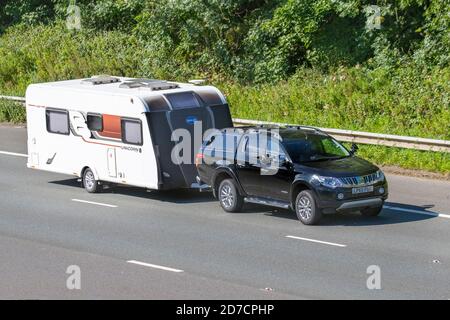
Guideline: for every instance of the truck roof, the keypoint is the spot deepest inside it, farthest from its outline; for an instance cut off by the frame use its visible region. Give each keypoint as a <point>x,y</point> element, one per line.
<point>285,132</point>
<point>281,130</point>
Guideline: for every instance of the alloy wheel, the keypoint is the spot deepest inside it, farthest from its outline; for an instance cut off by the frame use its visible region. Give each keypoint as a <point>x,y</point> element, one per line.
<point>304,207</point>
<point>89,180</point>
<point>226,196</point>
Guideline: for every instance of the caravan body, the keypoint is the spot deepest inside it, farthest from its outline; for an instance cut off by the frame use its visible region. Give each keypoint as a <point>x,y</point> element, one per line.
<point>120,128</point>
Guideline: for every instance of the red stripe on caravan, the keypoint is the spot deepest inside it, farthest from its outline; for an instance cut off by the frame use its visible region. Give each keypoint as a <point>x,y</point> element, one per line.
<point>100,143</point>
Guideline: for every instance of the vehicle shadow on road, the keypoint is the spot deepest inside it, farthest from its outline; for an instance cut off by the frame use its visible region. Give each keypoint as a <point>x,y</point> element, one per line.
<point>387,216</point>
<point>175,196</point>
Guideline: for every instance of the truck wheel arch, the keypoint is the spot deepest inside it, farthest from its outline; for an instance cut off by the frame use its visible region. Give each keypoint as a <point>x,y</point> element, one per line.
<point>222,175</point>
<point>297,187</point>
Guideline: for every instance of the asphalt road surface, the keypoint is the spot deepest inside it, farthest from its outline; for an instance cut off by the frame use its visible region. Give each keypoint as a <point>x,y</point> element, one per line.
<point>131,243</point>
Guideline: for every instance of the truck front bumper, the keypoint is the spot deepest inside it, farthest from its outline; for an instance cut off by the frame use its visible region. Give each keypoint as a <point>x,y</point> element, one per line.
<point>330,202</point>
<point>360,204</point>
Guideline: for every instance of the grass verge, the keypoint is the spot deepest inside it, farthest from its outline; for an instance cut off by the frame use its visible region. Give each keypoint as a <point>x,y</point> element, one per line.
<point>12,112</point>
<point>438,162</point>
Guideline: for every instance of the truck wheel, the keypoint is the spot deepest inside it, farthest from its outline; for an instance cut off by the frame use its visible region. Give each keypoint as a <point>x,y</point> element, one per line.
<point>306,208</point>
<point>89,181</point>
<point>371,212</point>
<point>229,197</point>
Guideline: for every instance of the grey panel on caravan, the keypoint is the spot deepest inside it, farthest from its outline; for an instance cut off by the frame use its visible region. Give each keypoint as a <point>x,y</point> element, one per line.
<point>186,109</point>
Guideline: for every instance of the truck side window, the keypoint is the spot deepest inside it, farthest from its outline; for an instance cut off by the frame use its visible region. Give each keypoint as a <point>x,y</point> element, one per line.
<point>241,151</point>
<point>211,140</point>
<point>210,146</point>
<point>57,121</point>
<point>132,131</point>
<point>274,147</point>
<point>253,151</point>
<point>216,147</point>
<point>95,122</point>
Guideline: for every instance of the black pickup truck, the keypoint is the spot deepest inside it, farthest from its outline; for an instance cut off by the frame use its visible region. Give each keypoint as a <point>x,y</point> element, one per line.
<point>301,168</point>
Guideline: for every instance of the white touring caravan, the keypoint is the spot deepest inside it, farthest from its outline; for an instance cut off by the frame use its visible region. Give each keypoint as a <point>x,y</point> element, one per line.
<point>118,130</point>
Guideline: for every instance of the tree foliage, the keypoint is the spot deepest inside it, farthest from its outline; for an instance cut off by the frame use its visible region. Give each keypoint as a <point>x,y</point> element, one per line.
<point>317,62</point>
<point>259,40</point>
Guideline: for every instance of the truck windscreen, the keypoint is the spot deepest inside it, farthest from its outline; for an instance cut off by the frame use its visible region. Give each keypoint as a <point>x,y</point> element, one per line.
<point>308,147</point>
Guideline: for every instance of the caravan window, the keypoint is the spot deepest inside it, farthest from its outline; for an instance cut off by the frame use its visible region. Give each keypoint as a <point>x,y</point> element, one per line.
<point>132,131</point>
<point>157,103</point>
<point>57,121</point>
<point>183,100</point>
<point>95,122</point>
<point>210,98</point>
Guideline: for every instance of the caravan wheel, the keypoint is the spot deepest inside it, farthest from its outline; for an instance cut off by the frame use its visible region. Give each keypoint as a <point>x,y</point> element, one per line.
<point>89,182</point>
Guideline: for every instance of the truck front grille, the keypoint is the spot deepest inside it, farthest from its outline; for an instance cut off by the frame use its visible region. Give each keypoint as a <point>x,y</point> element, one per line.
<point>359,180</point>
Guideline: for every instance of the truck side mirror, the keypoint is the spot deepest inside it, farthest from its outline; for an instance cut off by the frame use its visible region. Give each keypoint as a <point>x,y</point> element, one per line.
<point>354,148</point>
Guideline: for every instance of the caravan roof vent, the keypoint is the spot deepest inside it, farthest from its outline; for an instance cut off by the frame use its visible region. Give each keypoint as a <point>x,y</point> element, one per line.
<point>151,84</point>
<point>100,79</point>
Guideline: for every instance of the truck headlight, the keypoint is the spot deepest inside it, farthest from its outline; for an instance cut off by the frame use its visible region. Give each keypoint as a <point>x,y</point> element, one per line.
<point>379,176</point>
<point>329,182</point>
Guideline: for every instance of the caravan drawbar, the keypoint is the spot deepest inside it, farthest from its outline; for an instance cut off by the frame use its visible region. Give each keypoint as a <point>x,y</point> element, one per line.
<point>119,130</point>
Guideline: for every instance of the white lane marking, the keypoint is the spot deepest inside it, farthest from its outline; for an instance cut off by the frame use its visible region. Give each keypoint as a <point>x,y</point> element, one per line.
<point>95,203</point>
<point>318,241</point>
<point>14,154</point>
<point>433,214</point>
<point>155,266</point>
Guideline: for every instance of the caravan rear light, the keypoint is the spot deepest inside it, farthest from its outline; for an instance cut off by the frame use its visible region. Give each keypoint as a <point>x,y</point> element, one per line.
<point>198,159</point>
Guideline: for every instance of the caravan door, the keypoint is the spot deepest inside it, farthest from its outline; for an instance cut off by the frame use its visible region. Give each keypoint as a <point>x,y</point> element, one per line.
<point>112,165</point>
